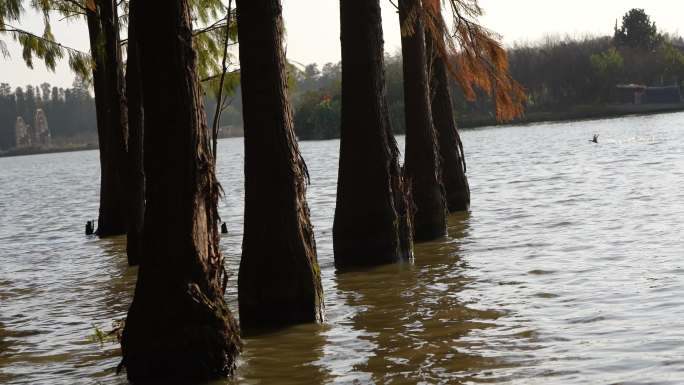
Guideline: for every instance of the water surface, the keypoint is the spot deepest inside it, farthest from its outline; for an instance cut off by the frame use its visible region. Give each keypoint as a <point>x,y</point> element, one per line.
<point>567,270</point>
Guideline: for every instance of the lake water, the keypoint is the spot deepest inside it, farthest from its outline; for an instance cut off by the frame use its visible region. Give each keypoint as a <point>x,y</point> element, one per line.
<point>568,270</point>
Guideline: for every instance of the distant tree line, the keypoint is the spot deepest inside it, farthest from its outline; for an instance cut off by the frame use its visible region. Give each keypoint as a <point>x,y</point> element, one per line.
<point>557,73</point>
<point>317,99</point>
<point>566,72</point>
<point>70,111</point>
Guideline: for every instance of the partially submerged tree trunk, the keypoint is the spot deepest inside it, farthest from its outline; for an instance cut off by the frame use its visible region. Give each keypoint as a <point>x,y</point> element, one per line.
<point>279,281</point>
<point>422,153</point>
<point>370,216</point>
<point>110,110</point>
<point>135,173</point>
<point>179,326</point>
<point>452,158</point>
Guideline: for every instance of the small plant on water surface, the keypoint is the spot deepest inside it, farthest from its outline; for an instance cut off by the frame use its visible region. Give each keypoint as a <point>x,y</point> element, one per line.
<point>114,335</point>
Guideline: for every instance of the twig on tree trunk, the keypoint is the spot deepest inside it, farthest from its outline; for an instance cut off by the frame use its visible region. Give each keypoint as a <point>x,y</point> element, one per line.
<point>224,69</point>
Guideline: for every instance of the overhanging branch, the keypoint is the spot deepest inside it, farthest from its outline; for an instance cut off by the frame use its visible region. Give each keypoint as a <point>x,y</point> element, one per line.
<point>212,77</point>
<point>7,28</point>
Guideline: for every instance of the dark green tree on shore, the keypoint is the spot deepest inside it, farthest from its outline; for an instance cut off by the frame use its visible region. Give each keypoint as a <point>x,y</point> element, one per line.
<point>8,108</point>
<point>30,105</point>
<point>178,327</point>
<point>21,105</point>
<point>279,282</point>
<point>637,31</point>
<point>372,222</point>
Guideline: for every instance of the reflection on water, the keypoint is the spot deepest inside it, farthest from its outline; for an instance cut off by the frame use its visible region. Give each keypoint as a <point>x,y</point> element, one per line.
<point>568,270</point>
<point>287,357</point>
<point>414,319</point>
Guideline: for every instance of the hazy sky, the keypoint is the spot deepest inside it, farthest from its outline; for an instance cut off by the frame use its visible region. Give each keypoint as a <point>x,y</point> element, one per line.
<point>313,28</point>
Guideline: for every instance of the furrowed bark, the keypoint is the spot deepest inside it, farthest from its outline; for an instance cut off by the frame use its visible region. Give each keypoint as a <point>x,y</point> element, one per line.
<point>452,159</point>
<point>112,123</point>
<point>368,228</point>
<point>279,281</point>
<point>422,153</point>
<point>179,327</point>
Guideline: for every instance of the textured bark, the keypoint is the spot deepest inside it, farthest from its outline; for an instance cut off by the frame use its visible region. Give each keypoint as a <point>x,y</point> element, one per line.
<point>136,175</point>
<point>179,326</point>
<point>452,158</point>
<point>115,83</point>
<point>421,167</point>
<point>110,107</point>
<point>368,228</point>
<point>279,281</point>
<point>95,36</point>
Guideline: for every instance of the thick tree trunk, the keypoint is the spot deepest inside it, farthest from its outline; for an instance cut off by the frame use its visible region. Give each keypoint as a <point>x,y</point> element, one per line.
<point>94,34</point>
<point>422,152</point>
<point>179,326</point>
<point>452,158</point>
<point>135,173</point>
<point>368,226</point>
<point>279,281</point>
<point>111,116</point>
<point>115,83</point>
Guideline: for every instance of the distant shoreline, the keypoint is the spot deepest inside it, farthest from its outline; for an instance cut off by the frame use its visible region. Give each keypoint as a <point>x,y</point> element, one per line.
<point>577,114</point>
<point>50,150</point>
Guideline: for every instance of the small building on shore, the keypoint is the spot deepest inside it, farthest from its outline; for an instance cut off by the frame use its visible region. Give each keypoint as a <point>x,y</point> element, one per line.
<point>640,94</point>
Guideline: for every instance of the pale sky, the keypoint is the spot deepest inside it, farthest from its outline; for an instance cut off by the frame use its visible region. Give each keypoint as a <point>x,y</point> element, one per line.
<point>313,29</point>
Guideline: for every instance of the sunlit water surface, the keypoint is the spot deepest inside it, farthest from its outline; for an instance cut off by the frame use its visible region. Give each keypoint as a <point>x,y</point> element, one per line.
<point>568,270</point>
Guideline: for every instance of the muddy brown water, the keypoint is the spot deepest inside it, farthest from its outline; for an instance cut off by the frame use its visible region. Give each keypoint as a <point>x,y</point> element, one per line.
<point>568,270</point>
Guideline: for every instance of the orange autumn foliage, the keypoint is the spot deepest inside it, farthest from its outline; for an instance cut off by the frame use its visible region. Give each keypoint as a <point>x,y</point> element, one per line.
<point>473,54</point>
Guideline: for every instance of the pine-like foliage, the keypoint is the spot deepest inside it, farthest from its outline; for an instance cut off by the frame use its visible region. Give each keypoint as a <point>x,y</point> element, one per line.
<point>10,10</point>
<point>44,46</point>
<point>209,41</point>
<point>473,54</point>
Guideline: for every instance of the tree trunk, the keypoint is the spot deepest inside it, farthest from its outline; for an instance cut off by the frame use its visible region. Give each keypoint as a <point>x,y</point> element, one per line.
<point>136,175</point>
<point>179,326</point>
<point>110,110</point>
<point>367,229</point>
<point>422,160</point>
<point>279,281</point>
<point>452,158</point>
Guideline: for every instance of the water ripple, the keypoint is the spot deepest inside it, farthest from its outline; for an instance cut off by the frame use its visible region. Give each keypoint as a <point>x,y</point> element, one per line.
<point>568,269</point>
